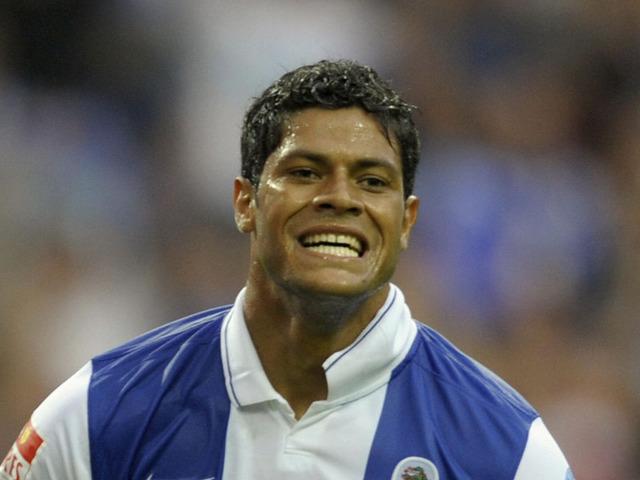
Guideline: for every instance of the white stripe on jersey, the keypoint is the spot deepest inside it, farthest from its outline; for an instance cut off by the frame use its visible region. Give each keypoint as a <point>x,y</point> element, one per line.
<point>542,457</point>
<point>62,421</point>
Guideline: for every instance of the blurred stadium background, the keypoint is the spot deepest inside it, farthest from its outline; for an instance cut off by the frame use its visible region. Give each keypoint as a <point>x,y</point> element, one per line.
<point>119,140</point>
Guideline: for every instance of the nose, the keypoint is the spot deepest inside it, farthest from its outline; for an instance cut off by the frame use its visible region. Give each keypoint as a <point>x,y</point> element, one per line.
<point>337,194</point>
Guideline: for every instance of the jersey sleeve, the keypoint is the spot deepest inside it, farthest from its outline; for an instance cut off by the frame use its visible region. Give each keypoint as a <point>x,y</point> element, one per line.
<point>54,445</point>
<point>542,457</point>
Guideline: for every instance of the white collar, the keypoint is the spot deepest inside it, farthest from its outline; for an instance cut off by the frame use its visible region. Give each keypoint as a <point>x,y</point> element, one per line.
<point>353,372</point>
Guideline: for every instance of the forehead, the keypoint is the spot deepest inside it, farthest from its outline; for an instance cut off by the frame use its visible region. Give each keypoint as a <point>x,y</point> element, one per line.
<point>347,131</point>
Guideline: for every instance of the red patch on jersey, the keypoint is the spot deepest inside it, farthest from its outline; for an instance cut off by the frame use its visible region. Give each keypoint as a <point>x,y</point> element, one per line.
<point>29,442</point>
<point>17,463</point>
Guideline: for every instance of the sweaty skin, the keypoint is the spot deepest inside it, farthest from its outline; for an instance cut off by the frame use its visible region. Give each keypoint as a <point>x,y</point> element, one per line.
<point>334,175</point>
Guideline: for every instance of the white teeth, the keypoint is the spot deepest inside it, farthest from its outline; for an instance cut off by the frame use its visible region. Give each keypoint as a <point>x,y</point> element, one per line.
<point>334,250</point>
<point>317,240</point>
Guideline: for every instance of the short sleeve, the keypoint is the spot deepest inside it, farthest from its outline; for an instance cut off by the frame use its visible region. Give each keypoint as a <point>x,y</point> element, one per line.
<point>54,445</point>
<point>542,457</point>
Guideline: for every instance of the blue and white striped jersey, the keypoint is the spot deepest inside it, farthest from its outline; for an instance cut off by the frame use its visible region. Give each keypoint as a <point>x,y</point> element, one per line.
<point>190,400</point>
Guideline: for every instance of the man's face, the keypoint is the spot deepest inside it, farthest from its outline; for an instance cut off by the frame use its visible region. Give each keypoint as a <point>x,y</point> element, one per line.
<point>329,216</point>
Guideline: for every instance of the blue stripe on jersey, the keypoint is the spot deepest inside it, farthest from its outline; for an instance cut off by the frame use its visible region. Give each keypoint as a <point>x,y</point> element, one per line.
<point>445,407</point>
<point>158,404</point>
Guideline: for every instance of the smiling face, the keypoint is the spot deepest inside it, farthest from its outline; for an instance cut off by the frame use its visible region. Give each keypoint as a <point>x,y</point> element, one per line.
<point>329,215</point>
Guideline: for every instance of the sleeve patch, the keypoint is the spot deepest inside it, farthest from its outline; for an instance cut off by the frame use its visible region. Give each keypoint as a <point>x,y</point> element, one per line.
<point>18,461</point>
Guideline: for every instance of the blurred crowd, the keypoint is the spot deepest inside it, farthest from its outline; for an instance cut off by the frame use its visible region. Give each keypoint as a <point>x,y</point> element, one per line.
<point>119,141</point>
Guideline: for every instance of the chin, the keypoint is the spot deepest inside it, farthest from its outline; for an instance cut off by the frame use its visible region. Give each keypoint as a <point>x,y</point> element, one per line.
<point>336,289</point>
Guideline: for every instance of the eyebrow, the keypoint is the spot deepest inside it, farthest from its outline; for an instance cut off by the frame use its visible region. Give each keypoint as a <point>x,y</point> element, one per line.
<point>360,163</point>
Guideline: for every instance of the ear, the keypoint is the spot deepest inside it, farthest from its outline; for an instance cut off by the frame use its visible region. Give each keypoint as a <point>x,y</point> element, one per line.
<point>243,205</point>
<point>411,207</point>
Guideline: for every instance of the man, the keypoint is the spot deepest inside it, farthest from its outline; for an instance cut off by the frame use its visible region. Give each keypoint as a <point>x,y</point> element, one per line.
<point>317,370</point>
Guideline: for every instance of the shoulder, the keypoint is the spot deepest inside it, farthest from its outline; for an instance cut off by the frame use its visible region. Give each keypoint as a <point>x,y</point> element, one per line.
<point>481,420</point>
<point>194,330</point>
<point>55,443</point>
<point>150,351</point>
<point>58,442</point>
<point>145,359</point>
<point>461,375</point>
<point>160,391</point>
<point>542,457</point>
<point>145,364</point>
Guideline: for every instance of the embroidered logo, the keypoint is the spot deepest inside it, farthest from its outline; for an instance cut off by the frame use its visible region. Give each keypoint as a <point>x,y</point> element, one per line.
<point>415,468</point>
<point>18,461</point>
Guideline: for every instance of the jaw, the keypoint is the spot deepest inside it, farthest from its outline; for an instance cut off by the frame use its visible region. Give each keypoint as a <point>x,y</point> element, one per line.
<point>330,299</point>
<point>283,266</point>
<point>321,274</point>
<point>322,291</point>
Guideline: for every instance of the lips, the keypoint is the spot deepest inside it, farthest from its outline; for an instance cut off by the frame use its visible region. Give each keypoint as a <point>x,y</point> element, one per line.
<point>338,244</point>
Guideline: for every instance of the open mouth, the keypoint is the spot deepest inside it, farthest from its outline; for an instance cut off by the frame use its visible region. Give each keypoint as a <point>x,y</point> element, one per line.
<point>337,244</point>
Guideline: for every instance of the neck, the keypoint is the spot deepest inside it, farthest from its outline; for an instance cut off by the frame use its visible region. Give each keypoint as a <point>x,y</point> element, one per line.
<point>295,332</point>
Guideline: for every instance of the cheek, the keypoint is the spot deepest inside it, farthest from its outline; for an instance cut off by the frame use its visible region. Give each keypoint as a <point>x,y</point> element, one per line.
<point>393,238</point>
<point>271,186</point>
<point>274,214</point>
<point>280,204</point>
<point>390,220</point>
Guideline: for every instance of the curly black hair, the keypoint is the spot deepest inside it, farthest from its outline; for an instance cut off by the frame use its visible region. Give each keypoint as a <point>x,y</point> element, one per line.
<point>331,85</point>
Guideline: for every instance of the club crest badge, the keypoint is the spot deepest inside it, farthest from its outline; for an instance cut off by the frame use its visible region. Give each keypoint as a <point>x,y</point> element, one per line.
<point>415,468</point>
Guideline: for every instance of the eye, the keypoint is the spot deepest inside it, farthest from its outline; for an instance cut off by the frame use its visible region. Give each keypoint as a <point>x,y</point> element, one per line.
<point>373,182</point>
<point>303,173</point>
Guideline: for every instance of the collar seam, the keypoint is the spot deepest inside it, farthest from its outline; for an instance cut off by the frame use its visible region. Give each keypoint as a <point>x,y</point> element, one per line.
<point>366,333</point>
<point>228,361</point>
